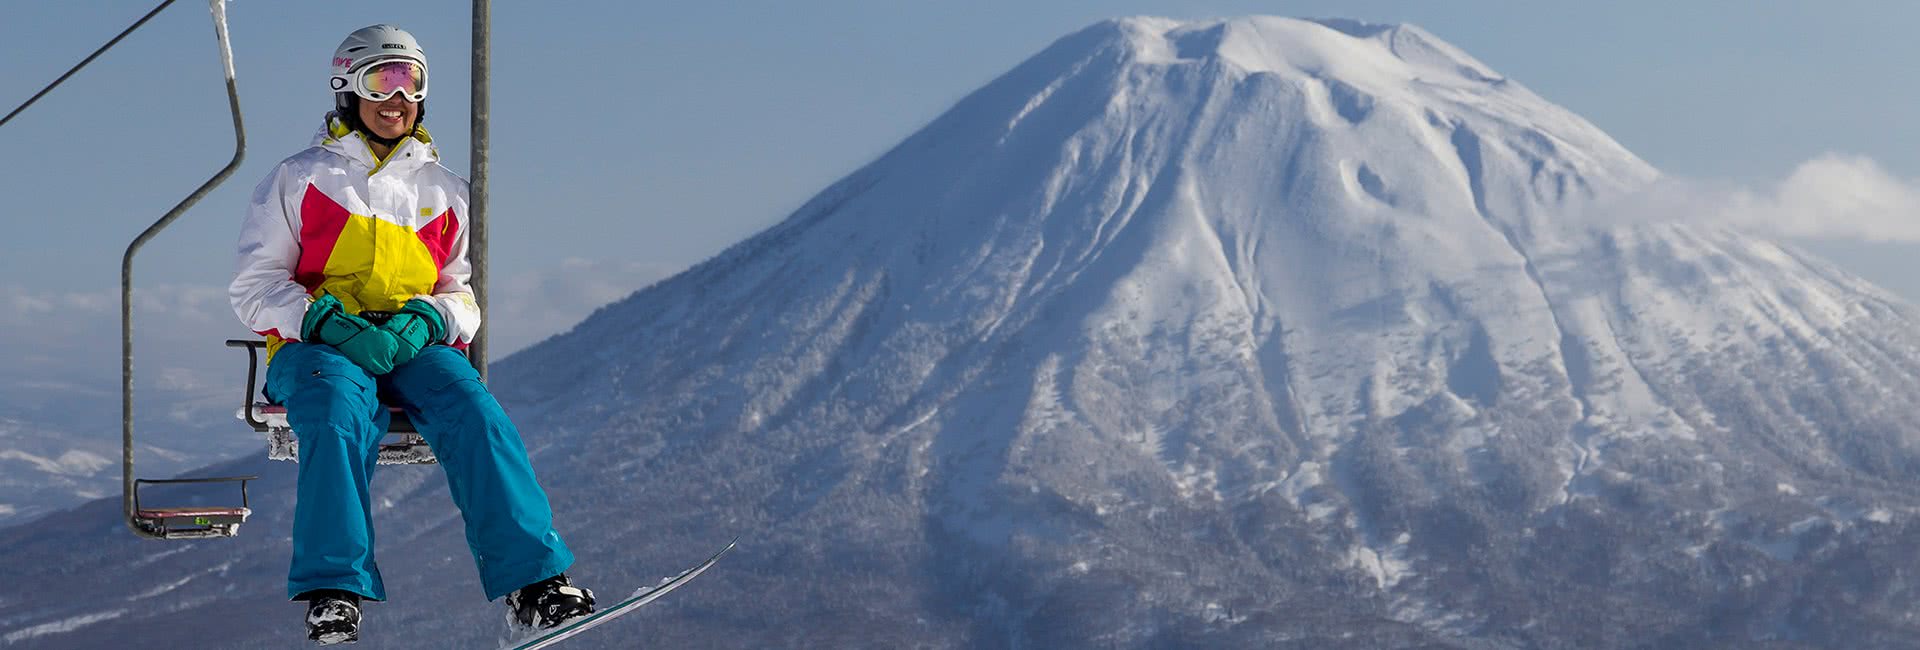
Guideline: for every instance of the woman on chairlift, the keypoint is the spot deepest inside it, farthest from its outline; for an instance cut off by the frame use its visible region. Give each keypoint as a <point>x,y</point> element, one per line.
<point>353,264</point>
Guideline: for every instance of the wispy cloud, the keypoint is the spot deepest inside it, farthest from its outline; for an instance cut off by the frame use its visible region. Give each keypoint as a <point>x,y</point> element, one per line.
<point>1833,196</point>
<point>74,336</point>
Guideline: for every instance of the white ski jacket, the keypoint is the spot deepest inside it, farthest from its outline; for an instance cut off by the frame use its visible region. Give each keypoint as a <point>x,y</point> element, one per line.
<point>373,233</point>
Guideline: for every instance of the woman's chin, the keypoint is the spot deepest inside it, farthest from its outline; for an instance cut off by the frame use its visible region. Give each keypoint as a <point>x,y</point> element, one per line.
<point>388,131</point>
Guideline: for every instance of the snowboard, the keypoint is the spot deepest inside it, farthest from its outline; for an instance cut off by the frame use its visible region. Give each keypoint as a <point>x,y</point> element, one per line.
<point>639,599</point>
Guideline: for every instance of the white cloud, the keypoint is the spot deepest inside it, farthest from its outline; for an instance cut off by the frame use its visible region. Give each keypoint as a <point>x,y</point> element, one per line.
<point>60,357</point>
<point>1847,197</point>
<point>75,336</point>
<point>1833,196</point>
<point>26,304</point>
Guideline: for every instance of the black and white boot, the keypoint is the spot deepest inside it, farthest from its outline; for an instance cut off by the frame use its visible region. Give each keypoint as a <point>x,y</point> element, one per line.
<point>333,616</point>
<point>549,603</point>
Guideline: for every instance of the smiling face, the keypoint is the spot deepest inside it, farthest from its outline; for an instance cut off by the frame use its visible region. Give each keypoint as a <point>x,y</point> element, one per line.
<point>389,119</point>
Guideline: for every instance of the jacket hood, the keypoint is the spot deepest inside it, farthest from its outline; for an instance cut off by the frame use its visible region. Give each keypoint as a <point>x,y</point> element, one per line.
<point>413,150</point>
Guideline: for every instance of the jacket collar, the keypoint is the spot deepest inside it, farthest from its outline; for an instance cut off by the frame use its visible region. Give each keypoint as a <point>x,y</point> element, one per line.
<point>411,152</point>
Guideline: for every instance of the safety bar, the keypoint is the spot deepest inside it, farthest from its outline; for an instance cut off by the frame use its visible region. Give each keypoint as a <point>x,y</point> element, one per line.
<point>253,364</point>
<point>215,479</point>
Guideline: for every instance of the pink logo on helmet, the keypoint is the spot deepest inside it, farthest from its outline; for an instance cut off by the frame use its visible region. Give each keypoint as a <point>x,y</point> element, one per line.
<point>343,62</point>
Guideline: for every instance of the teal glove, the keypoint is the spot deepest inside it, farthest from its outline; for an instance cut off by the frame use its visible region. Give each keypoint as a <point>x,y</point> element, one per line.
<point>416,326</point>
<point>365,345</point>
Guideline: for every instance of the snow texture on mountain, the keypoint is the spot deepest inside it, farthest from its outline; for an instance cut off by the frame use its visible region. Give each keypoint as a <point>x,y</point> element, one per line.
<point>1244,333</point>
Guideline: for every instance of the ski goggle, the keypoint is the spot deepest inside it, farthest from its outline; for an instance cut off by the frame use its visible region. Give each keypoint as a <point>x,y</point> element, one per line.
<point>379,81</point>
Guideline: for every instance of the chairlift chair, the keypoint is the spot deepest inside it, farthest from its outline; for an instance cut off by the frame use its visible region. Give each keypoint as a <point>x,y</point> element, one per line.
<point>192,522</point>
<point>173,522</point>
<point>403,445</point>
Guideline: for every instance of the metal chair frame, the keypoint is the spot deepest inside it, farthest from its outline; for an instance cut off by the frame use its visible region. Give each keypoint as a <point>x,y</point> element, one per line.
<point>402,446</point>
<point>192,522</point>
<point>173,523</point>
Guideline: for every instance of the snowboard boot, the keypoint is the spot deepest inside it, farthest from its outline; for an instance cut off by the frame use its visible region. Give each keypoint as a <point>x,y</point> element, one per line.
<point>549,603</point>
<point>333,616</point>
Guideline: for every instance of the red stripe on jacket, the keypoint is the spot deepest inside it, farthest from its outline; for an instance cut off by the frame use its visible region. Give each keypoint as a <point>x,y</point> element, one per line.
<point>440,235</point>
<point>321,221</point>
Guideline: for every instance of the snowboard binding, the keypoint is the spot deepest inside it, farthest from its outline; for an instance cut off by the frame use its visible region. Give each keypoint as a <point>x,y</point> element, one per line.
<point>549,603</point>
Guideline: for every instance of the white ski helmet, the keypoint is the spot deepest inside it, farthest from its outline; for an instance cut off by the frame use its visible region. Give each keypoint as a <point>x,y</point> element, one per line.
<point>368,45</point>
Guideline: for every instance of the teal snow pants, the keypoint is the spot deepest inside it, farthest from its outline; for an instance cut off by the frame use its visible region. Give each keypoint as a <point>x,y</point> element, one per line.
<point>335,411</point>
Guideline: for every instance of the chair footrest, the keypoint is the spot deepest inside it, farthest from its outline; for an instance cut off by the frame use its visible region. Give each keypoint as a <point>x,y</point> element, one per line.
<point>168,513</point>
<point>397,449</point>
<point>191,523</point>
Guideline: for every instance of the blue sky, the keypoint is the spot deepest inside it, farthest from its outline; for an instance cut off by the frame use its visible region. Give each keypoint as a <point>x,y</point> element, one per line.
<point>634,139</point>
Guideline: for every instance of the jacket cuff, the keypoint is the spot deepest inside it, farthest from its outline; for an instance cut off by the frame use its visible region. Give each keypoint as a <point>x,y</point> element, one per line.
<point>446,319</point>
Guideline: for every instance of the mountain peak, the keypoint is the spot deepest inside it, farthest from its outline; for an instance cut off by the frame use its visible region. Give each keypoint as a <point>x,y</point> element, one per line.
<point>1338,75</point>
<point>1376,55</point>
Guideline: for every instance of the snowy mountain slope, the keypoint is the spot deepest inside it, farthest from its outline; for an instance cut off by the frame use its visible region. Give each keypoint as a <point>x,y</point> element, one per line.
<point>1245,333</point>
<point>60,430</point>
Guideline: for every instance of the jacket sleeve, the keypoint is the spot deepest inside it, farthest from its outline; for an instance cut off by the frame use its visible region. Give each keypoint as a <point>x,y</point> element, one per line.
<point>263,292</point>
<point>452,294</point>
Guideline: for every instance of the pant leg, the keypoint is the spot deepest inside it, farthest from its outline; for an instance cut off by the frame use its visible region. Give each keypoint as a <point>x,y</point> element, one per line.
<point>332,408</point>
<point>508,519</point>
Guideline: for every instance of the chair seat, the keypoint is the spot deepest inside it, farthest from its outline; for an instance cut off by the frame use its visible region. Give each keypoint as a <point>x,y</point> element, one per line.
<point>402,446</point>
<point>281,409</point>
<point>274,416</point>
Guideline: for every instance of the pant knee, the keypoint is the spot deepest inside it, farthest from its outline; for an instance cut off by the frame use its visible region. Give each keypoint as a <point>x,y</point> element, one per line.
<point>467,395</point>
<point>331,420</point>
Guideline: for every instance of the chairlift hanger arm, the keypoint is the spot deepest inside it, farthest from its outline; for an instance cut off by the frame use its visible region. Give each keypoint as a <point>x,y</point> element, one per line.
<point>129,487</point>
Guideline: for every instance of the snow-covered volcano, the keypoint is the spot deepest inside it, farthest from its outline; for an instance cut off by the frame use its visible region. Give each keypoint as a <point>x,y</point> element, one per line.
<point>1248,333</point>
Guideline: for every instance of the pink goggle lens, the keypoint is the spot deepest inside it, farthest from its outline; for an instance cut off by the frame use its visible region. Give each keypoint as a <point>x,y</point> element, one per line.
<point>384,79</point>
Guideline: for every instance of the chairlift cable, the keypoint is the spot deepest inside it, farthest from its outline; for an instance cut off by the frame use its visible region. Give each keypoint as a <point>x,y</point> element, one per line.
<point>83,63</point>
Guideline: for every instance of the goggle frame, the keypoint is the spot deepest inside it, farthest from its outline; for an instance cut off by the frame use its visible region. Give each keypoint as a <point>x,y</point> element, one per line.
<point>356,81</point>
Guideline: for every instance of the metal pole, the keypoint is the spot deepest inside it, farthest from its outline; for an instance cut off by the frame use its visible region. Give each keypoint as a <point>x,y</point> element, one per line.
<point>477,199</point>
<point>219,9</point>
